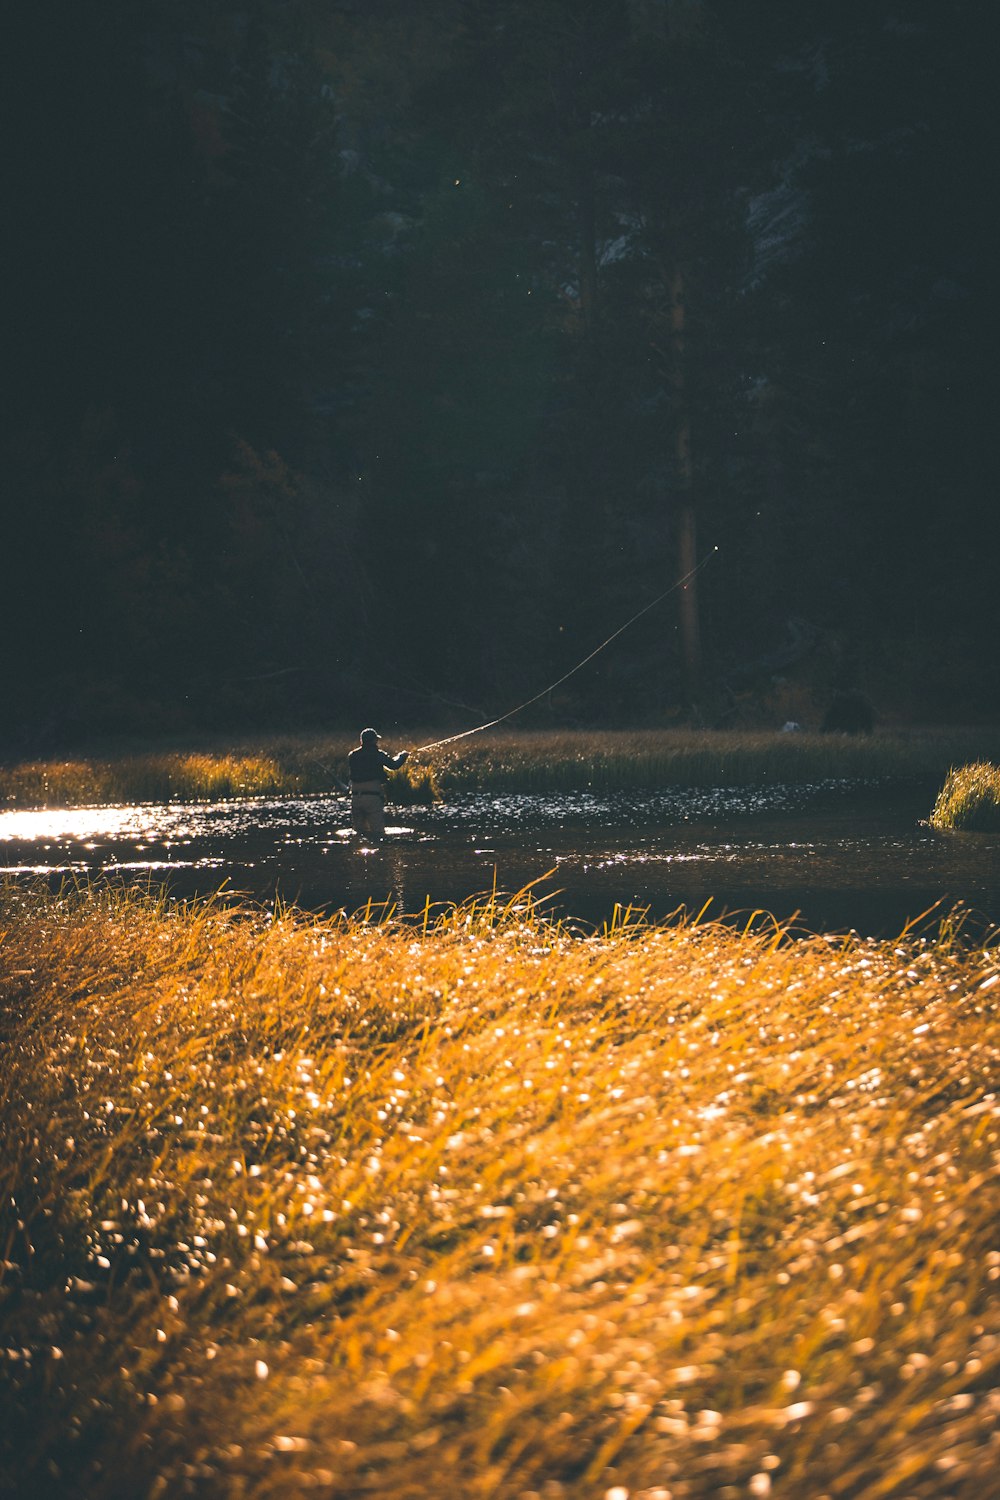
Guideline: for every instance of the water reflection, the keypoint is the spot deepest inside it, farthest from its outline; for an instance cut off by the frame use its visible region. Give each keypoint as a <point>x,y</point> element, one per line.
<point>378,875</point>
<point>83,823</point>
<point>842,855</point>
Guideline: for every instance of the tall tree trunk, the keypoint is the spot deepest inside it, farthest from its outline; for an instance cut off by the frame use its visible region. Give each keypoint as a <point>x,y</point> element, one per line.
<point>686,521</point>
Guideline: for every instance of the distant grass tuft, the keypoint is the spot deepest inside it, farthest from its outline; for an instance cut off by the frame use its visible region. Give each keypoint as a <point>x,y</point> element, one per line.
<point>414,785</point>
<point>474,1207</point>
<point>969,799</point>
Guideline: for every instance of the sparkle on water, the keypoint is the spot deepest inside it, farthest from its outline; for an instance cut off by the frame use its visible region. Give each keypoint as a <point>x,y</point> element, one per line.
<point>837,852</point>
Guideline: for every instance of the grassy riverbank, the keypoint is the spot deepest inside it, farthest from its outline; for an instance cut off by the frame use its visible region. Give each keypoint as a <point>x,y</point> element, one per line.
<point>481,1209</point>
<point>494,761</point>
<point>608,760</point>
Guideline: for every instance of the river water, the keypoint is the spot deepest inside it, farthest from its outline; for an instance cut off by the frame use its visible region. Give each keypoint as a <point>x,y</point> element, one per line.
<point>837,855</point>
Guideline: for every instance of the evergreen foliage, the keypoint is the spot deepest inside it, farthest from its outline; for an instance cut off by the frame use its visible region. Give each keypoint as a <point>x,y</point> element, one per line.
<point>405,349</point>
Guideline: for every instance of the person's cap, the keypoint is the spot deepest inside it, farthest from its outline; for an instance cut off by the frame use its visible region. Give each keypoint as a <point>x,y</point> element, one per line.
<point>370,734</point>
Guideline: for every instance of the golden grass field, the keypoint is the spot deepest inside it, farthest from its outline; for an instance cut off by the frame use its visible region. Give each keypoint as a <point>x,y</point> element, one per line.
<point>476,1208</point>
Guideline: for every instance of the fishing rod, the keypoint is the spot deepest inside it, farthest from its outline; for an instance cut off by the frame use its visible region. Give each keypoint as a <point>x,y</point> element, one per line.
<point>492,723</point>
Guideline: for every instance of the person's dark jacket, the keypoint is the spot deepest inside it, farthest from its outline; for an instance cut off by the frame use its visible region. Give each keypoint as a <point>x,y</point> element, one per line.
<point>368,765</point>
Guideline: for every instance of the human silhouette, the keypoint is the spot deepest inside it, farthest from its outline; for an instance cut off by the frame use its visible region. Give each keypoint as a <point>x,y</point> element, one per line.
<point>368,765</point>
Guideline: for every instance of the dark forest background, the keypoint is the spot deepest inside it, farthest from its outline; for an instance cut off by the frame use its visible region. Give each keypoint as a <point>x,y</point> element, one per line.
<point>381,358</point>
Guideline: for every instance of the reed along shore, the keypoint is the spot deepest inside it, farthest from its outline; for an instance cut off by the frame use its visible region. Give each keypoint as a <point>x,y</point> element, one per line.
<point>540,762</point>
<point>479,1207</point>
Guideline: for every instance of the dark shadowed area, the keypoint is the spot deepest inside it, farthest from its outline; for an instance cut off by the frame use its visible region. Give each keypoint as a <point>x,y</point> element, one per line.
<point>377,361</point>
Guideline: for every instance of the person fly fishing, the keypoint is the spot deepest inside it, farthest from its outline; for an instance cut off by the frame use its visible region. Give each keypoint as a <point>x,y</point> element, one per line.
<point>368,765</point>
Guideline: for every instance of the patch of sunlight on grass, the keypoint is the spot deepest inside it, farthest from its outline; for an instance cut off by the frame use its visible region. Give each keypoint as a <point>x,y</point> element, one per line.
<point>145,778</point>
<point>969,799</point>
<point>282,769</point>
<point>474,1206</point>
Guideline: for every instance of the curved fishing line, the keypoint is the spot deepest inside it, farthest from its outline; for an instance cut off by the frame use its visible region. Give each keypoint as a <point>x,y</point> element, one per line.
<point>436,744</point>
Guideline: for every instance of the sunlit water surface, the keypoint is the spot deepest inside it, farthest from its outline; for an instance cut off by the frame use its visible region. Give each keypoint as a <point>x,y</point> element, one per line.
<point>839,855</point>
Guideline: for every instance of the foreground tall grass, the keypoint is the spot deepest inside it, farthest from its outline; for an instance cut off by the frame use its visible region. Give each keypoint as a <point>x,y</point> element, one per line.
<point>479,1209</point>
<point>969,799</point>
<point>497,761</point>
